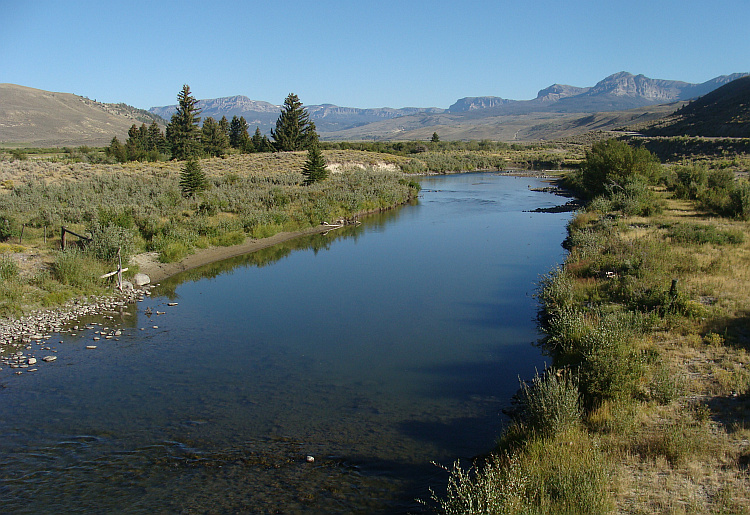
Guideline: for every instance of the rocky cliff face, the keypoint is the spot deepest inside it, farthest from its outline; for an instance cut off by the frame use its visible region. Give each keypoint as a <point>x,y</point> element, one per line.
<point>557,91</point>
<point>473,103</point>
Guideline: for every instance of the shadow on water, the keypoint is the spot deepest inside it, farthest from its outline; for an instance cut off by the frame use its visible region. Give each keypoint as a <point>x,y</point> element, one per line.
<point>270,255</point>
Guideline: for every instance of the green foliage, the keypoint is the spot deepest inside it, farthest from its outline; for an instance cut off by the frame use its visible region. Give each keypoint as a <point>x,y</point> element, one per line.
<point>7,227</point>
<point>8,268</point>
<point>238,136</point>
<point>183,132</point>
<point>294,130</point>
<point>715,189</point>
<point>613,163</point>
<point>18,154</point>
<point>214,139</point>
<point>435,138</point>
<point>566,474</point>
<point>75,268</point>
<point>702,234</point>
<point>314,169</point>
<point>107,239</point>
<point>551,404</point>
<point>192,178</point>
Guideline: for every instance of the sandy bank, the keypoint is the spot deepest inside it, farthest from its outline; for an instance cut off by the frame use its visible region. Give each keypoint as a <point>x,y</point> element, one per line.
<point>149,264</point>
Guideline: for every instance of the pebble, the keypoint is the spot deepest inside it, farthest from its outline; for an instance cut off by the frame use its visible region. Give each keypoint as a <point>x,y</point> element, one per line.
<point>91,346</point>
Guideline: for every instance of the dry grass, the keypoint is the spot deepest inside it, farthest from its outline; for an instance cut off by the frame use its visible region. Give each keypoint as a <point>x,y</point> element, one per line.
<point>691,455</point>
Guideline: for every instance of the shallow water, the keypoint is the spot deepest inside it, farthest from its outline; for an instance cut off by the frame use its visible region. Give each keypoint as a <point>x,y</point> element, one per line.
<point>374,349</point>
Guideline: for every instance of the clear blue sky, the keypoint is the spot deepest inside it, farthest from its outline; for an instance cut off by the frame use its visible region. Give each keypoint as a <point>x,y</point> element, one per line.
<point>361,53</point>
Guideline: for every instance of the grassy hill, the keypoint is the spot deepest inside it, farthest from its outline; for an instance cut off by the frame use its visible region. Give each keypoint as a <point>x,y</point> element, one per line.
<point>725,112</point>
<point>37,118</point>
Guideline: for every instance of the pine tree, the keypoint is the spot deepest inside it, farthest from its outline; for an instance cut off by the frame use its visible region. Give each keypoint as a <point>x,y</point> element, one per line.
<point>238,132</point>
<point>192,178</point>
<point>294,130</point>
<point>314,168</point>
<point>215,141</point>
<point>156,139</point>
<point>183,132</point>
<point>261,142</point>
<point>435,138</point>
<point>224,126</point>
<point>117,150</point>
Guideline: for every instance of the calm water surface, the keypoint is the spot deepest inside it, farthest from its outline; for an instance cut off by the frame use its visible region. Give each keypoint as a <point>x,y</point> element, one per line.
<point>375,349</point>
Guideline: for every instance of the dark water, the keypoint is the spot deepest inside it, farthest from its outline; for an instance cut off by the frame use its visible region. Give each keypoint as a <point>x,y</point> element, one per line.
<point>374,349</point>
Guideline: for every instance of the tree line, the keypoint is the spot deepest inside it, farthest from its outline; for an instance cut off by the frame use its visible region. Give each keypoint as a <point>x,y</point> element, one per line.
<point>186,138</point>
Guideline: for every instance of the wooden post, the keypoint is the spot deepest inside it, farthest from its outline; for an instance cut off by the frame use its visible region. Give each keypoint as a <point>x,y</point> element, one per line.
<point>62,238</point>
<point>20,237</point>
<point>45,234</point>
<point>119,269</point>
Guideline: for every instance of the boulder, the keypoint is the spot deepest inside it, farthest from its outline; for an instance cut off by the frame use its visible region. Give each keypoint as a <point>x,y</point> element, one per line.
<point>141,279</point>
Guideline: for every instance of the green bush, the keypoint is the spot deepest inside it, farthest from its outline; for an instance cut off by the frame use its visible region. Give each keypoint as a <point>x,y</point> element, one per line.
<point>702,234</point>
<point>7,227</point>
<point>613,162</point>
<point>75,268</point>
<point>550,404</point>
<point>106,240</point>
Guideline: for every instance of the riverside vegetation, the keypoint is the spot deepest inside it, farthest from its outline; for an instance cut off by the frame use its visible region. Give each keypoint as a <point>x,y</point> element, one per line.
<point>143,206</point>
<point>644,408</point>
<point>645,405</point>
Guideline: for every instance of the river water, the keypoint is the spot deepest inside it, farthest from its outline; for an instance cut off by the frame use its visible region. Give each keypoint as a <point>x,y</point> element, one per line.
<point>375,350</point>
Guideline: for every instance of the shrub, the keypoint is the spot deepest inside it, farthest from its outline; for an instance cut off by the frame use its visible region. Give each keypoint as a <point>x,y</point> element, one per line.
<point>107,240</point>
<point>702,234</point>
<point>8,268</point>
<point>7,227</point>
<point>615,162</point>
<point>75,268</point>
<point>551,404</point>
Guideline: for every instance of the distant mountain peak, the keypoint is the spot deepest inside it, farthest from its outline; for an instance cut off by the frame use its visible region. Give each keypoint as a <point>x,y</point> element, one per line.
<point>557,91</point>
<point>473,103</point>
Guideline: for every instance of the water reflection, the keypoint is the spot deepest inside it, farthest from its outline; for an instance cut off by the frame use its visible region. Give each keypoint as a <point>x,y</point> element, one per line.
<point>375,349</point>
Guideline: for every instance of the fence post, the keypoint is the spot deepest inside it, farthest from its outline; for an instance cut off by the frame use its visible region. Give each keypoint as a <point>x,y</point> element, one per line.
<point>62,238</point>
<point>119,269</point>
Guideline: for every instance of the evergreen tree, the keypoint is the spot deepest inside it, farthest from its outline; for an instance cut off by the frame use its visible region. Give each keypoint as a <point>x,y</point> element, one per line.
<point>156,139</point>
<point>192,178</point>
<point>314,168</point>
<point>224,126</point>
<point>214,139</point>
<point>435,137</point>
<point>261,142</point>
<point>117,150</point>
<point>238,132</point>
<point>294,130</point>
<point>183,132</point>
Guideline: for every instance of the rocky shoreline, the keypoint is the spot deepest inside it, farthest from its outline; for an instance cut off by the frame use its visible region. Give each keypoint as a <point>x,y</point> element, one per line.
<point>23,334</point>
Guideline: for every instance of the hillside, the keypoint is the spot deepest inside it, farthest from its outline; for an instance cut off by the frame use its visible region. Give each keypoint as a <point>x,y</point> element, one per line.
<point>724,112</point>
<point>33,117</point>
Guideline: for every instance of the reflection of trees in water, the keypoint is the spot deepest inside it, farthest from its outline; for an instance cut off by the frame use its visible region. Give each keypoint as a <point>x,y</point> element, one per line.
<point>269,255</point>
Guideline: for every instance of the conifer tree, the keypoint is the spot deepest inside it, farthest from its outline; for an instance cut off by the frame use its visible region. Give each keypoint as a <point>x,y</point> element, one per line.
<point>224,126</point>
<point>215,141</point>
<point>294,130</point>
<point>117,150</point>
<point>238,132</point>
<point>156,139</point>
<point>314,168</point>
<point>261,142</point>
<point>192,178</point>
<point>183,132</point>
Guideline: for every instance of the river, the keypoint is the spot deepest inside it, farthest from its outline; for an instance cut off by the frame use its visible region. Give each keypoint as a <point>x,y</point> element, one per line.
<point>324,375</point>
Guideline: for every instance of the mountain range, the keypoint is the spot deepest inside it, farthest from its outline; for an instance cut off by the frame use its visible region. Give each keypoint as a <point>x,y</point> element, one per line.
<point>35,117</point>
<point>619,92</point>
